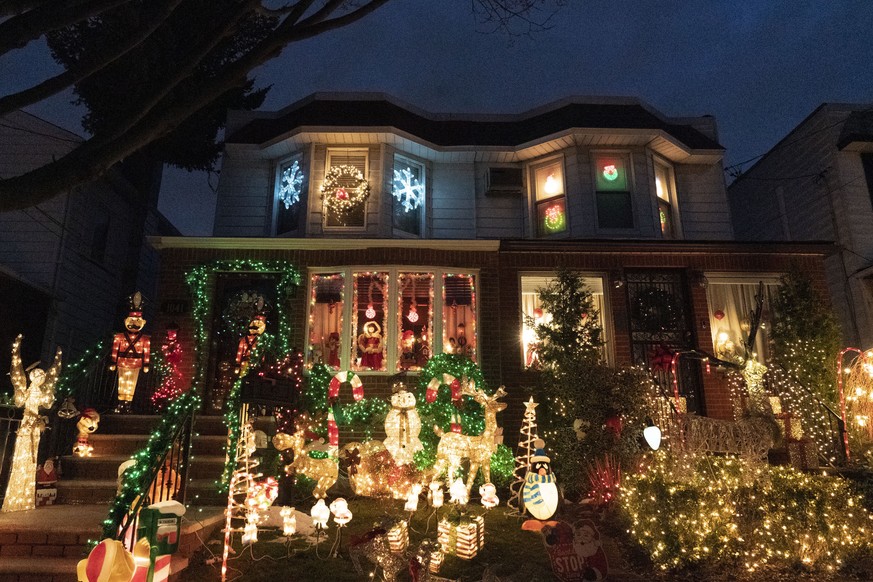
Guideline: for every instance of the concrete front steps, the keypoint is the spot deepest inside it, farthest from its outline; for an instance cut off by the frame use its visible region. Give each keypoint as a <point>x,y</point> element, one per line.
<point>94,479</point>
<point>46,543</point>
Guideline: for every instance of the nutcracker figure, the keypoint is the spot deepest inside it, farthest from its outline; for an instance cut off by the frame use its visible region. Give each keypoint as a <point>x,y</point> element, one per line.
<point>131,350</point>
<point>249,342</point>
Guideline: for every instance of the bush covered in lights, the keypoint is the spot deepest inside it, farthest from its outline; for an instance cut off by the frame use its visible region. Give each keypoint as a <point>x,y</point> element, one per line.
<point>699,512</point>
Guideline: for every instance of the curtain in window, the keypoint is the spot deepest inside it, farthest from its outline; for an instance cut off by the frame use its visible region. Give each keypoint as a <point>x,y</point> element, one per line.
<point>730,308</point>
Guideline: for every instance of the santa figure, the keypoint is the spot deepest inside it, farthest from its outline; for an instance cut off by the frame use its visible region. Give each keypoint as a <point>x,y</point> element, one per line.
<point>248,342</point>
<point>586,542</point>
<point>131,350</point>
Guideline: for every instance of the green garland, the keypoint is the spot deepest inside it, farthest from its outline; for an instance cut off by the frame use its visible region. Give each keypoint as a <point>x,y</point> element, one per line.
<point>137,479</point>
<point>76,371</point>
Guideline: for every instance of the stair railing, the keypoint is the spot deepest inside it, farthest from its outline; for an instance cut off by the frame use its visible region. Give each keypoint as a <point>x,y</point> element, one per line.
<point>10,420</point>
<point>159,473</point>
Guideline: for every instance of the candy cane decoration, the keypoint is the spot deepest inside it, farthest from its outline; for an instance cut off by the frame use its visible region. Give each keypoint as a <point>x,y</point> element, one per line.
<point>340,379</point>
<point>434,385</point>
<point>332,431</point>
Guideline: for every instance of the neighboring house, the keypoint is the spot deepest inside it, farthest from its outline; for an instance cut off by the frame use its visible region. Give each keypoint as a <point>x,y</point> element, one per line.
<point>817,184</point>
<point>467,216</point>
<point>67,264</point>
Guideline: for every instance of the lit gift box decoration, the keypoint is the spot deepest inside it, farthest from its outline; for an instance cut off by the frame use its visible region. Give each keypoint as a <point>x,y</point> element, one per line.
<point>398,537</point>
<point>463,540</point>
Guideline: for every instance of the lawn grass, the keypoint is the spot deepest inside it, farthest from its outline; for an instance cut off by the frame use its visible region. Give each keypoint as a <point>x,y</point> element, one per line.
<point>508,550</point>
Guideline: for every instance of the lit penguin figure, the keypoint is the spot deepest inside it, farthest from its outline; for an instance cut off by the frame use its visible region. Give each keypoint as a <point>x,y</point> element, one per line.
<point>539,496</point>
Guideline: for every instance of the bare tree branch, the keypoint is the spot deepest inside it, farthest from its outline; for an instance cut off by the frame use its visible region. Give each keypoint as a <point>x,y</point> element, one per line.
<point>19,30</point>
<point>82,71</point>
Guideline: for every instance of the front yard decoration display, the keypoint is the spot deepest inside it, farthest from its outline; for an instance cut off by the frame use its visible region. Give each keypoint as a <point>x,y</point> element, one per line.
<point>402,425</point>
<point>344,190</point>
<point>539,496</point>
<point>312,460</point>
<point>89,420</point>
<point>454,447</point>
<point>40,393</point>
<point>131,352</point>
<point>461,535</point>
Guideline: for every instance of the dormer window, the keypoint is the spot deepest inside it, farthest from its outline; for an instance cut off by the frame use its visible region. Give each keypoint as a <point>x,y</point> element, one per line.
<point>289,192</point>
<point>665,191</point>
<point>408,196</point>
<point>550,198</point>
<point>347,182</point>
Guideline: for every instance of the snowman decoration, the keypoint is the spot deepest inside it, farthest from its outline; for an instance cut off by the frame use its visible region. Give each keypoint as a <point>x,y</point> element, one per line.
<point>539,496</point>
<point>402,426</point>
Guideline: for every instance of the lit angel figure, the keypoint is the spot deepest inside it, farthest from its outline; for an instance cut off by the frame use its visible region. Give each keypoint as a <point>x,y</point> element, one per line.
<point>21,491</point>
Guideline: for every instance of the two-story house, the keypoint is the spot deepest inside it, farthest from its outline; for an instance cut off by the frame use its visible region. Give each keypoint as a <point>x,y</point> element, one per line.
<point>466,217</point>
<point>817,184</point>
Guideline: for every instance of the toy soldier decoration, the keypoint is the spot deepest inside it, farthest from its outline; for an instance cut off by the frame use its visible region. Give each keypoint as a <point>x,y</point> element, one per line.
<point>249,342</point>
<point>131,350</point>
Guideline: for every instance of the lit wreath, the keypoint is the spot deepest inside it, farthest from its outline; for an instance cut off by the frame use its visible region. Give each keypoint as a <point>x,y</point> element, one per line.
<point>341,199</point>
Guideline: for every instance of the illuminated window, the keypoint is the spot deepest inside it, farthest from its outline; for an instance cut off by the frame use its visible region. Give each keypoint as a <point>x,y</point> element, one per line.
<point>732,301</point>
<point>289,194</point>
<point>459,315</point>
<point>531,307</point>
<point>550,198</point>
<point>612,183</point>
<point>666,193</point>
<point>370,321</point>
<point>326,319</point>
<point>408,195</point>
<point>357,159</point>
<point>414,320</point>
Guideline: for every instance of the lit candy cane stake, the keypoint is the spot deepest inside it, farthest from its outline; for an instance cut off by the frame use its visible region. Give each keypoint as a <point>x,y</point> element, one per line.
<point>340,379</point>
<point>434,385</point>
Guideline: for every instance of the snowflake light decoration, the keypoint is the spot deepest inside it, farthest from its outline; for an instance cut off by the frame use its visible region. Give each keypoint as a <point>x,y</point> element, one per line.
<point>289,187</point>
<point>407,189</point>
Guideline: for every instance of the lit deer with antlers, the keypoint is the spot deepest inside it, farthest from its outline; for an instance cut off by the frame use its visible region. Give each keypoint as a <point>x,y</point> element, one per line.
<point>323,471</point>
<point>454,447</point>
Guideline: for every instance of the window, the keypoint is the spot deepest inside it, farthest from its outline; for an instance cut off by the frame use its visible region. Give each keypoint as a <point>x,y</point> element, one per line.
<point>289,189</point>
<point>390,324</point>
<point>549,197</point>
<point>731,300</point>
<point>459,315</point>
<point>359,160</point>
<point>326,319</point>
<point>530,307</point>
<point>614,209</point>
<point>408,190</point>
<point>665,191</point>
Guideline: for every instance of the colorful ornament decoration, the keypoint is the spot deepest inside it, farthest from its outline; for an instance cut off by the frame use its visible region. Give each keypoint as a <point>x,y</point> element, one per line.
<point>290,185</point>
<point>87,425</point>
<point>719,314</point>
<point>131,352</point>
<point>344,189</point>
<point>341,378</point>
<point>21,490</point>
<point>324,471</point>
<point>540,493</point>
<point>407,189</point>
<point>402,425</point>
<point>454,447</point>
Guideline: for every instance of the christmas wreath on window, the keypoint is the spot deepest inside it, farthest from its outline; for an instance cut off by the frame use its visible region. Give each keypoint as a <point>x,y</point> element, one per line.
<point>656,309</point>
<point>344,189</point>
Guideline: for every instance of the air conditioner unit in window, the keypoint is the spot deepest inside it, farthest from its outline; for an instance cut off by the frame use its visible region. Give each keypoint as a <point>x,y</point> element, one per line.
<point>503,181</point>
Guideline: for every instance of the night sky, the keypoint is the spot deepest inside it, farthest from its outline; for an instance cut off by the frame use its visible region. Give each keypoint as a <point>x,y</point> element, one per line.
<point>759,66</point>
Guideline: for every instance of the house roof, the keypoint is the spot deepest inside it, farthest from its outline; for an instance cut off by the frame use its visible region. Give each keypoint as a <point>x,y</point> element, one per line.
<point>858,128</point>
<point>447,130</point>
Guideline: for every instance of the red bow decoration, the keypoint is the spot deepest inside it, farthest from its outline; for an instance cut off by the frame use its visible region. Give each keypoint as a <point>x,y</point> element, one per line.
<point>661,358</point>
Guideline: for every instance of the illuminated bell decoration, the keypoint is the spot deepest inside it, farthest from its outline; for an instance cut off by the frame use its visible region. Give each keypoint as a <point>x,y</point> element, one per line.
<point>652,434</point>
<point>458,493</point>
<point>436,495</point>
<point>412,316</point>
<point>289,521</point>
<point>610,172</point>
<point>320,514</point>
<point>370,312</point>
<point>340,510</point>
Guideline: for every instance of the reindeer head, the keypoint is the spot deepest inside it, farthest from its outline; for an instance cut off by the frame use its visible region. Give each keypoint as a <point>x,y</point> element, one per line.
<point>490,403</point>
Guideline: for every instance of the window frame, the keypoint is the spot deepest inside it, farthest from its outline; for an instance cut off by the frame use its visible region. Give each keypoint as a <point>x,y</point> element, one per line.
<point>304,191</point>
<point>673,197</point>
<point>535,203</point>
<point>627,155</point>
<point>397,232</point>
<point>607,323</point>
<point>329,152</point>
<point>391,336</point>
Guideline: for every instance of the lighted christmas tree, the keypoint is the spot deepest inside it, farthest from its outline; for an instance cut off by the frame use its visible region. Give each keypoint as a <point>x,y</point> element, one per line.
<point>523,452</point>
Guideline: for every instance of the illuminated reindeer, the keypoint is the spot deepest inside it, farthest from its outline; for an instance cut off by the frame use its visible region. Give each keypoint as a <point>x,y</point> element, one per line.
<point>454,447</point>
<point>323,471</point>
